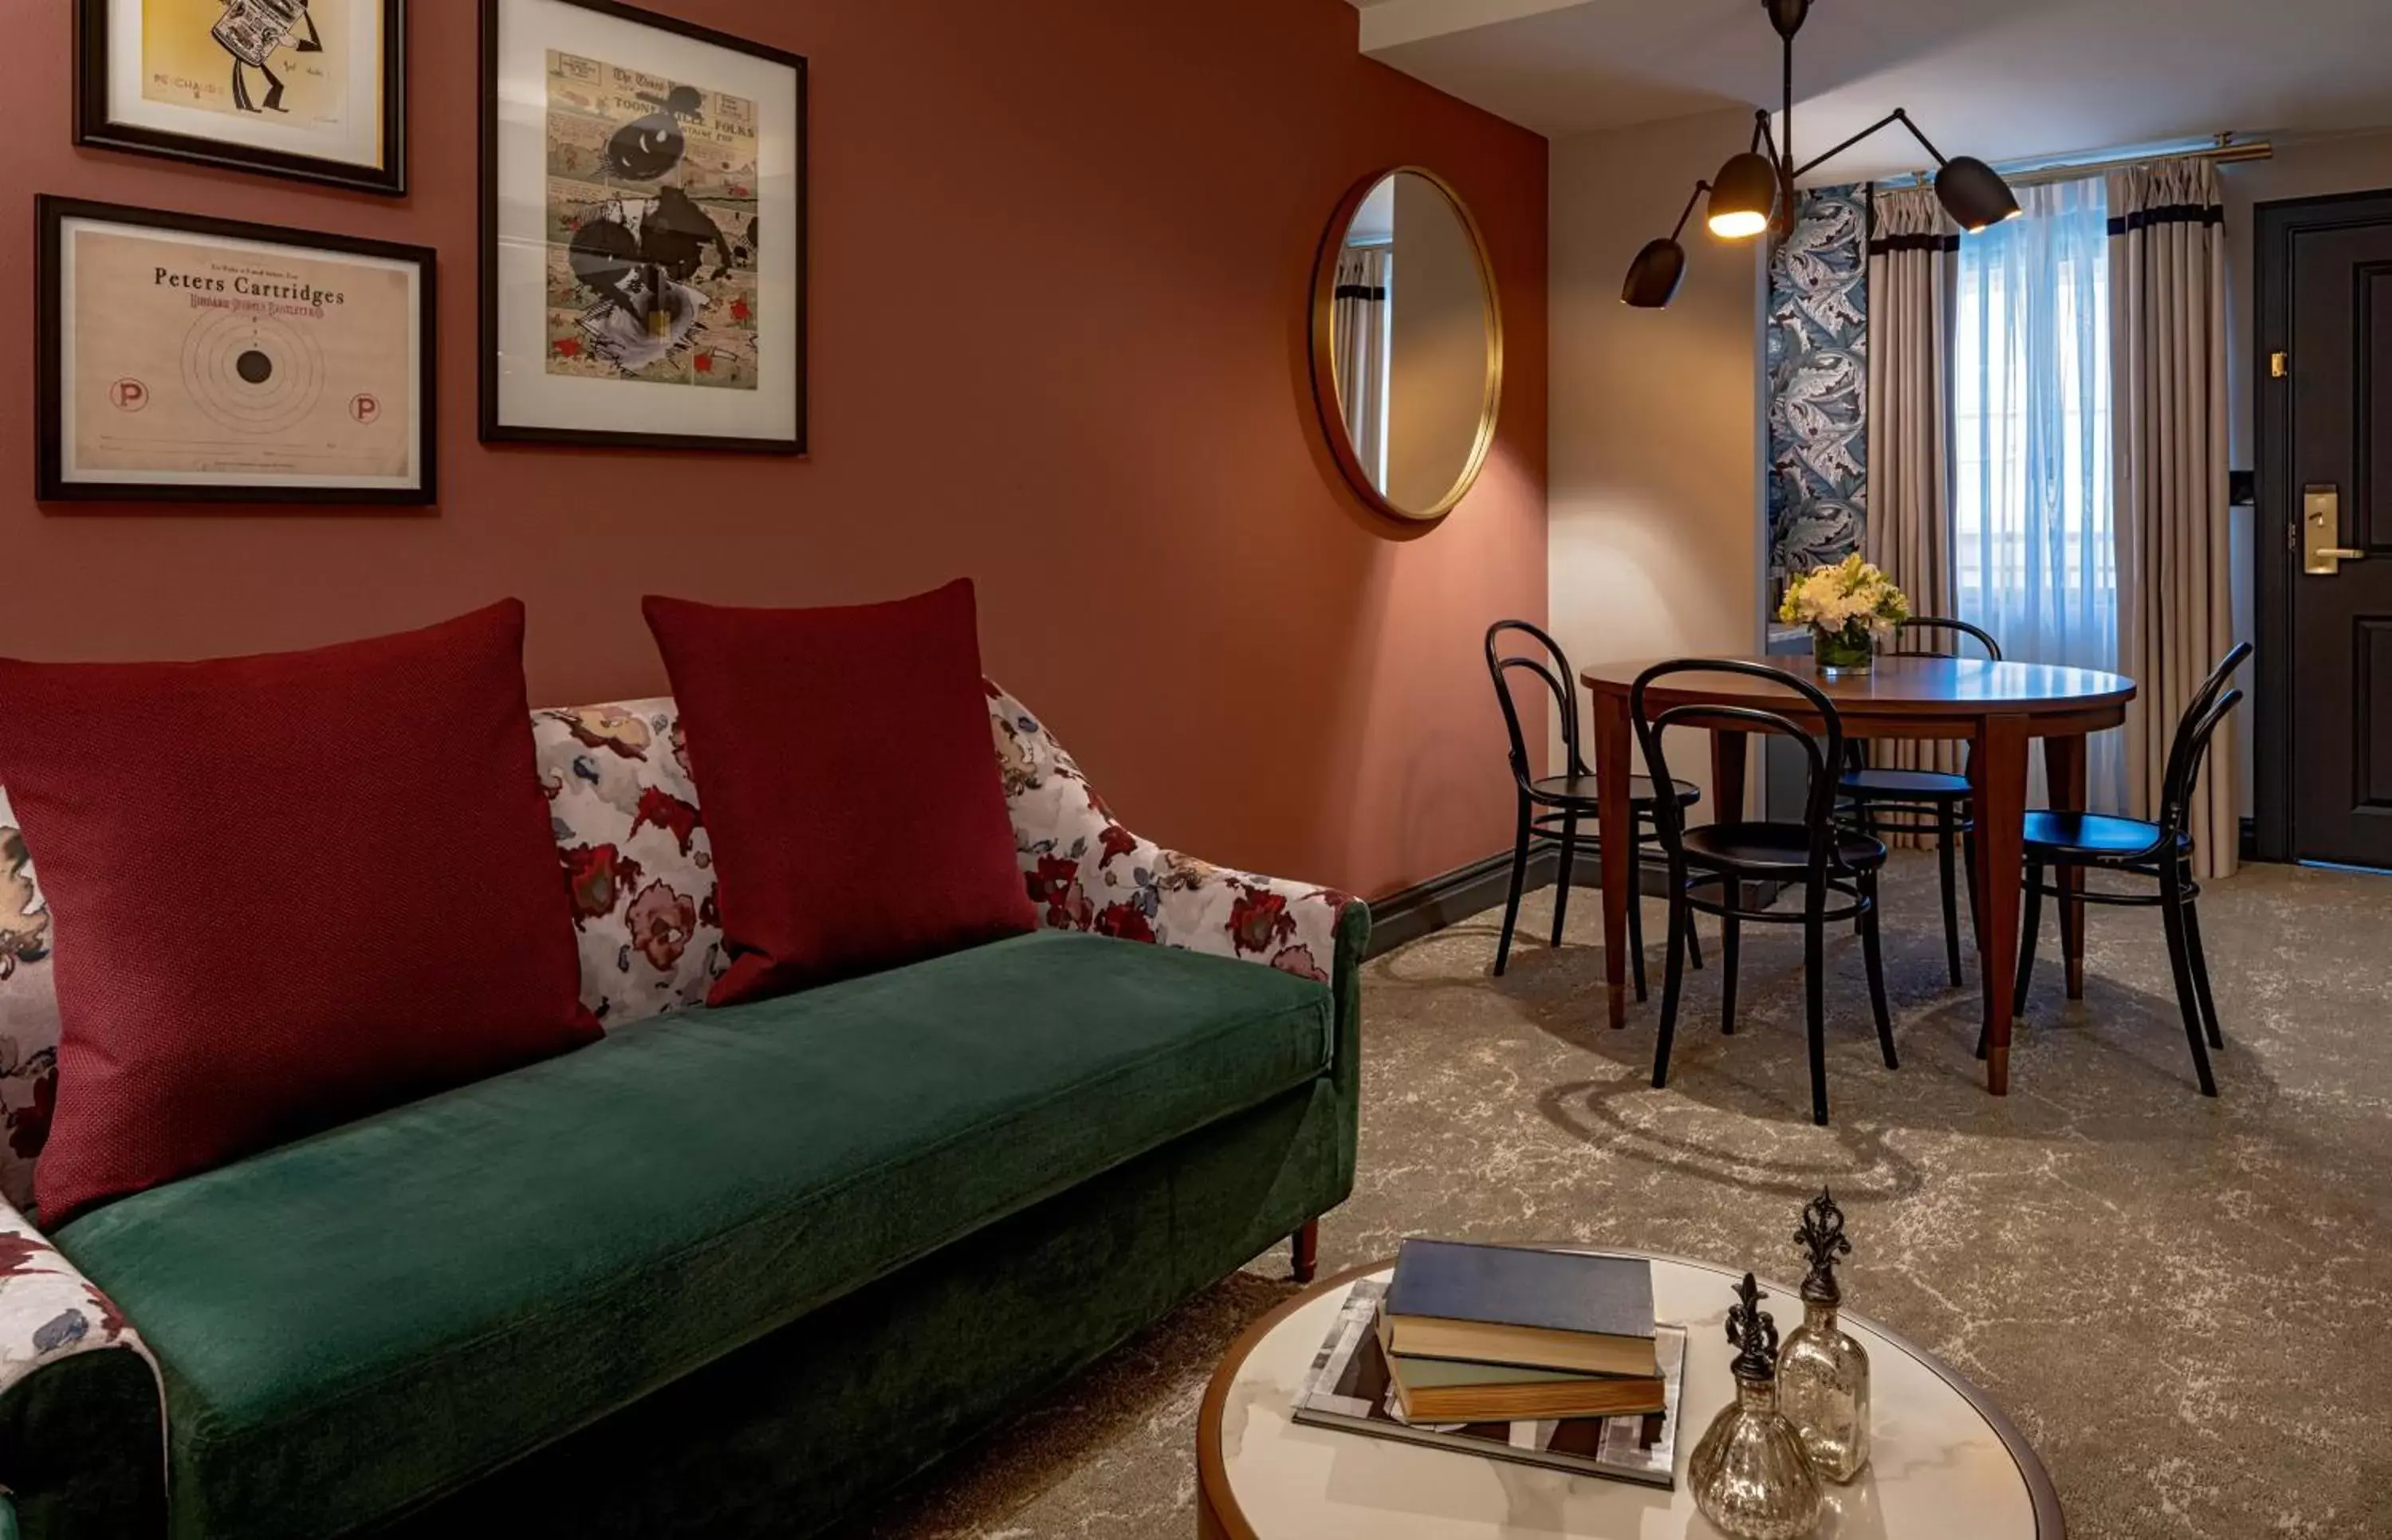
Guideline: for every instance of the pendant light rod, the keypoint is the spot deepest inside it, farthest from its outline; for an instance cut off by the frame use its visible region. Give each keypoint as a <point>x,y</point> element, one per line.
<point>1899,115</point>
<point>1680,228</point>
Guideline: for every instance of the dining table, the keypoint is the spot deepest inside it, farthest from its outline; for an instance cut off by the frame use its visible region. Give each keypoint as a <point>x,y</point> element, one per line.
<point>1998,709</point>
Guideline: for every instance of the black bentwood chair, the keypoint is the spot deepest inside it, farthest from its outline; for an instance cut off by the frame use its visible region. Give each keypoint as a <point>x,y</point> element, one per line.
<point>1820,855</point>
<point>1564,801</point>
<point>2161,850</point>
<point>1920,801</point>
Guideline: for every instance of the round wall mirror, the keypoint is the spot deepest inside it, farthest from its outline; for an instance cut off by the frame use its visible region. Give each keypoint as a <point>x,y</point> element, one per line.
<point>1407,345</point>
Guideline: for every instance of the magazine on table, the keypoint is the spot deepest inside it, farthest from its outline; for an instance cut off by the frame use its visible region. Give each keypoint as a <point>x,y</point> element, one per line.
<point>1348,1388</point>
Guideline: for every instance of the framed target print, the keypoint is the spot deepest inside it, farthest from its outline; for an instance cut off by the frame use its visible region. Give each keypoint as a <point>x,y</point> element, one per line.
<point>189,359</point>
<point>644,228</point>
<point>308,88</point>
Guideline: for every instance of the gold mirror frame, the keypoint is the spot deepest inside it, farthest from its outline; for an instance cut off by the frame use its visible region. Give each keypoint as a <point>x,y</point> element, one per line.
<point>1324,350</point>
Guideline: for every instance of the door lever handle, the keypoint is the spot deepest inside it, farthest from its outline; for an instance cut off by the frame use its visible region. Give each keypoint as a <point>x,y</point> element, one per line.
<point>2320,523</point>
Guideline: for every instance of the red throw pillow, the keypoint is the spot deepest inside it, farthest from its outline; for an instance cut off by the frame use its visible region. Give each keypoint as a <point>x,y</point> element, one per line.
<point>843,760</point>
<point>288,891</point>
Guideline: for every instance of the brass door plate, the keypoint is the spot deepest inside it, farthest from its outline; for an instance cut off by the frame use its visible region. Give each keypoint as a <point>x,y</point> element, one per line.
<point>2321,527</point>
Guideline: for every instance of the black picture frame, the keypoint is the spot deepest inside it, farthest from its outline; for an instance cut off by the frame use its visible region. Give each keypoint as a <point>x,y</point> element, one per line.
<point>50,483</point>
<point>94,43</point>
<point>493,430</point>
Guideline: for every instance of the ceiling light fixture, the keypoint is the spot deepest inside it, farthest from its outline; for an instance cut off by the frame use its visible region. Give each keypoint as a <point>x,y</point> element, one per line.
<point>1754,191</point>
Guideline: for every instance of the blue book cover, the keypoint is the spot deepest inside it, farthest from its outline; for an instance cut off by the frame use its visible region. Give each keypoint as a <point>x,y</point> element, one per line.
<point>1510,1286</point>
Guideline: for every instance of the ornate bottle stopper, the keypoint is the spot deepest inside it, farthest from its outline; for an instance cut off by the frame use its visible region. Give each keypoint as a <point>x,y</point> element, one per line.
<point>1749,1474</point>
<point>1823,1374</point>
<point>1753,1330</point>
<point>1822,1235</point>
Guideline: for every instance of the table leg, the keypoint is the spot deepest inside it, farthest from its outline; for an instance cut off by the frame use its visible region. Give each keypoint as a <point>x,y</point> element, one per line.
<point>1997,776</point>
<point>2063,768</point>
<point>1730,753</point>
<point>1613,766</point>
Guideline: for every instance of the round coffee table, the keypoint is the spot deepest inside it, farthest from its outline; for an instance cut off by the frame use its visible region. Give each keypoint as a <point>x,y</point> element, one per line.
<point>1944,1460</point>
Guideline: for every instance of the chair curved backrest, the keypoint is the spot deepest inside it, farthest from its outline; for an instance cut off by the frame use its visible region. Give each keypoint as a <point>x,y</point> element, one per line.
<point>1944,627</point>
<point>2209,707</point>
<point>1856,753</point>
<point>1820,751</point>
<point>1553,671</point>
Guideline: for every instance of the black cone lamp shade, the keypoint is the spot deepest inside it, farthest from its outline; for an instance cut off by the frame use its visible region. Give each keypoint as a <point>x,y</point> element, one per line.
<point>1974,194</point>
<point>1743,197</point>
<point>1654,276</point>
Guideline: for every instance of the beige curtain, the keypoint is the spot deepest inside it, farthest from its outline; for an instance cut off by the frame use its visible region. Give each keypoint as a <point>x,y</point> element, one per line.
<point>1362,354</point>
<point>2168,425</point>
<point>1913,261</point>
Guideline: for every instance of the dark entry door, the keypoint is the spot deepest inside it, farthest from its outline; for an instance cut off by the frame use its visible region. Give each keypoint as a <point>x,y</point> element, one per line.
<point>2330,495</point>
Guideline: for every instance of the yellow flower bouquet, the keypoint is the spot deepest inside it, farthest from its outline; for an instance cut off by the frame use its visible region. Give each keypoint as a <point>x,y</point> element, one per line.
<point>1845,605</point>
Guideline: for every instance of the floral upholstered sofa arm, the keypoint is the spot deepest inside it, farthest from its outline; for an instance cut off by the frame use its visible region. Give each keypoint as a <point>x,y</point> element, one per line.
<point>81,1430</point>
<point>1086,872</point>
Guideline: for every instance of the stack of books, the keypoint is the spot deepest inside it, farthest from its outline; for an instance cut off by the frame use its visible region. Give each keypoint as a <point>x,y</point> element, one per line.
<point>1547,1358</point>
<point>1505,1334</point>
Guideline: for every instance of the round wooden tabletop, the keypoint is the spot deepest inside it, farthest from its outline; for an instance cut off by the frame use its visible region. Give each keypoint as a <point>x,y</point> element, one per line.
<point>1923,689</point>
<point>1945,1461</point>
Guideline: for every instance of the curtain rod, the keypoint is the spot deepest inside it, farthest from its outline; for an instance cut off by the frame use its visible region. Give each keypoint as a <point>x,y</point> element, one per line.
<point>2223,154</point>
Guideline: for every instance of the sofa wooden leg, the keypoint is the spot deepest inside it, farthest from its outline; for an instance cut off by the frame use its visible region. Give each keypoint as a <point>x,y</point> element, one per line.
<point>1305,1245</point>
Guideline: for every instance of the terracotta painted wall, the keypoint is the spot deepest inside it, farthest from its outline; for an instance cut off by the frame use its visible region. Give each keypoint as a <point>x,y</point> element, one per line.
<point>1059,264</point>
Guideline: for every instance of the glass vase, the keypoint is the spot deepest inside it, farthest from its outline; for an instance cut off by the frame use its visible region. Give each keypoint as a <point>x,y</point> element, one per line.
<point>1749,1474</point>
<point>1823,1385</point>
<point>1844,653</point>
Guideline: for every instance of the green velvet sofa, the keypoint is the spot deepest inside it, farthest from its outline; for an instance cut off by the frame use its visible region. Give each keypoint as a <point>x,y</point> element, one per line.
<point>724,1273</point>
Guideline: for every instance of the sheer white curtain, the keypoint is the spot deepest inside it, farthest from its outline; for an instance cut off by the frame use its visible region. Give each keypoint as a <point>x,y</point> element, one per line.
<point>1364,273</point>
<point>2034,530</point>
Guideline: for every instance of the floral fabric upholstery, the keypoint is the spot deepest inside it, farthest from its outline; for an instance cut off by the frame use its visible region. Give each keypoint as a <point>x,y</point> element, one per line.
<point>636,858</point>
<point>1085,872</point>
<point>48,1311</point>
<point>28,1018</point>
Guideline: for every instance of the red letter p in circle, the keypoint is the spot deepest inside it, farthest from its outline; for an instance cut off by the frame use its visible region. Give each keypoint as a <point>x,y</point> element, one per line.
<point>128,395</point>
<point>364,409</point>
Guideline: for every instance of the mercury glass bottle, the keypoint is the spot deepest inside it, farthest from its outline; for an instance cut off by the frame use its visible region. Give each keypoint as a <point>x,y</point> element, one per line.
<point>1823,1374</point>
<point>1749,1474</point>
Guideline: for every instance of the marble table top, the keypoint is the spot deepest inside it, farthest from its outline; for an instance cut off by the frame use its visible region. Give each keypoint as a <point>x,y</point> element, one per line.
<point>1944,1461</point>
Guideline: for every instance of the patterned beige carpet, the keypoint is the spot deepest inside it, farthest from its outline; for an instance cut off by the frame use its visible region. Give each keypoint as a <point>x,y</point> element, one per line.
<point>2184,1304</point>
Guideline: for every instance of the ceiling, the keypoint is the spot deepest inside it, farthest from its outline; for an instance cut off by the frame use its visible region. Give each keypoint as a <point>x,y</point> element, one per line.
<point>2015,80</point>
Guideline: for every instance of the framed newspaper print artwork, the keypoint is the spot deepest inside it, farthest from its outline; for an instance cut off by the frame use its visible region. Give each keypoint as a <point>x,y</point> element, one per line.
<point>643,229</point>
<point>306,88</point>
<point>189,359</point>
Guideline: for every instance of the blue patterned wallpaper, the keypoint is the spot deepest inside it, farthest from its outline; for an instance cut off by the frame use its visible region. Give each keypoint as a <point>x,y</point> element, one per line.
<point>1818,384</point>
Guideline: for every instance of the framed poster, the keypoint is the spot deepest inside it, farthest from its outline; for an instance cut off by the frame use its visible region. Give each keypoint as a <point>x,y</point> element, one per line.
<point>188,359</point>
<point>644,232</point>
<point>307,88</point>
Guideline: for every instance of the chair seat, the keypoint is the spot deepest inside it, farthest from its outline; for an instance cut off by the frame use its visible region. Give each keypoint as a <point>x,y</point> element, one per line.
<point>1557,790</point>
<point>2091,836</point>
<point>1775,848</point>
<point>1907,785</point>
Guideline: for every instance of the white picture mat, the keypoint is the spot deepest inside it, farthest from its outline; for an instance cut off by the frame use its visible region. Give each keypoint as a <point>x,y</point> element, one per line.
<point>527,395</point>
<point>70,401</point>
<point>360,145</point>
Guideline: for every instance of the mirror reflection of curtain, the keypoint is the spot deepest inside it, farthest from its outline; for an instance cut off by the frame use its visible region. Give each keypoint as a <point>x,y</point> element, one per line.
<point>2034,534</point>
<point>1362,348</point>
